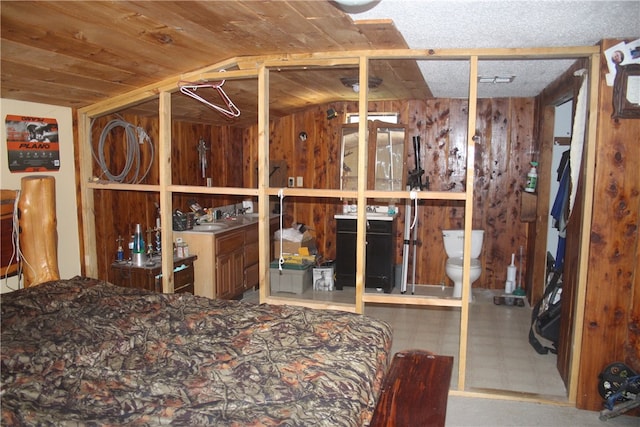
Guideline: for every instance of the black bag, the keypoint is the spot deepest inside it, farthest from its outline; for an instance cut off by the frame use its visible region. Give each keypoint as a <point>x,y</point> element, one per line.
<point>545,318</point>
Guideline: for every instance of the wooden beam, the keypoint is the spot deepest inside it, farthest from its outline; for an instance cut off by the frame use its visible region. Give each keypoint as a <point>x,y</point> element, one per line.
<point>85,159</point>
<point>363,156</point>
<point>589,168</point>
<point>264,238</point>
<point>468,220</point>
<point>166,209</point>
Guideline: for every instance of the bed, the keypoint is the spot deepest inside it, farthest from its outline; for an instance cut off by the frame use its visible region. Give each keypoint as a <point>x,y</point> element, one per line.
<point>83,351</point>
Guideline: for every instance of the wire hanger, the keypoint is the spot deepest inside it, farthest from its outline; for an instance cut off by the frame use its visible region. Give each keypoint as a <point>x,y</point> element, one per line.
<point>229,110</point>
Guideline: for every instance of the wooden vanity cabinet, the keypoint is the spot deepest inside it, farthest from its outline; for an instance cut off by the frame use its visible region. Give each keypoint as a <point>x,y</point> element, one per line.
<point>230,261</point>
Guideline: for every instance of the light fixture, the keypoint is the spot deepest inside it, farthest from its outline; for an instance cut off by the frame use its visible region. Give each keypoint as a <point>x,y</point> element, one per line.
<point>354,83</point>
<point>496,79</point>
<point>355,6</point>
<point>331,114</point>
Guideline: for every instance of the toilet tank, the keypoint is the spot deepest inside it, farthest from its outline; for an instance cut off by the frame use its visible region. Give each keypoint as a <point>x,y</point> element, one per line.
<point>454,242</point>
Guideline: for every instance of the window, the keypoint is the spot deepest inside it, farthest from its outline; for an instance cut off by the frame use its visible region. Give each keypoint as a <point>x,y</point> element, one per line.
<point>383,117</point>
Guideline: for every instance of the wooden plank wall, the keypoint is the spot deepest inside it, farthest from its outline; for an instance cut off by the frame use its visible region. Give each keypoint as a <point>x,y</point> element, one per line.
<point>612,310</point>
<point>505,128</point>
<point>117,212</point>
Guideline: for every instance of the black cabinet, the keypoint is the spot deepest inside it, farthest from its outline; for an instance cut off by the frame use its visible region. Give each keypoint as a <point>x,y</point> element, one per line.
<point>379,253</point>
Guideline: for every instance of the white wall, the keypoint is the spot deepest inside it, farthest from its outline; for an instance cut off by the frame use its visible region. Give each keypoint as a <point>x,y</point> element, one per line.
<point>66,203</point>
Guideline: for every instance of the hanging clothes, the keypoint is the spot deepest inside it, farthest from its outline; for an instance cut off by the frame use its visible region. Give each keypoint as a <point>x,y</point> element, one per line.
<point>560,209</point>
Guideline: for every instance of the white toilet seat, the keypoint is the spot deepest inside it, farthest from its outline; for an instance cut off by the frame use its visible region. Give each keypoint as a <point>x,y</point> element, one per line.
<point>457,262</point>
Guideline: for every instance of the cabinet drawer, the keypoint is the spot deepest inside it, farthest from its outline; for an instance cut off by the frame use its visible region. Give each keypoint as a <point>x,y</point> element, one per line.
<point>183,277</point>
<point>229,242</point>
<point>379,226</point>
<point>251,253</point>
<point>349,225</point>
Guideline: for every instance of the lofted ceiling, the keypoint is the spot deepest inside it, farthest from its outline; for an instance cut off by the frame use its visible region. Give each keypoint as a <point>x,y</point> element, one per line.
<point>78,53</point>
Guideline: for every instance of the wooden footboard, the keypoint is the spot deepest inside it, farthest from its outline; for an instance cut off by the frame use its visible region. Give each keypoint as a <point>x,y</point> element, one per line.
<point>414,391</point>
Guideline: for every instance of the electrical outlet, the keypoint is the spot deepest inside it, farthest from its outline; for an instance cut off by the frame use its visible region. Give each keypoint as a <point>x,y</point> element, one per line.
<point>299,181</point>
<point>292,181</point>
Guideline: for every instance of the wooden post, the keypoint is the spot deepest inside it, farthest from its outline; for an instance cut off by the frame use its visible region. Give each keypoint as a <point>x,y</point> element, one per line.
<point>38,229</point>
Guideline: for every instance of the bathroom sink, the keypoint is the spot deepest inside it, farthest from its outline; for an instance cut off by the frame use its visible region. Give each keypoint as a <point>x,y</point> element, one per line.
<point>371,216</point>
<point>210,227</point>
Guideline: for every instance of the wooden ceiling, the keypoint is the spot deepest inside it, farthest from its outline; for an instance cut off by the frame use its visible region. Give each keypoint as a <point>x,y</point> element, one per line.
<point>75,54</point>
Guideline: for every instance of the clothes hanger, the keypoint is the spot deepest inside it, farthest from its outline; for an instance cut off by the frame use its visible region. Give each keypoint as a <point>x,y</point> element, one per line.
<point>229,110</point>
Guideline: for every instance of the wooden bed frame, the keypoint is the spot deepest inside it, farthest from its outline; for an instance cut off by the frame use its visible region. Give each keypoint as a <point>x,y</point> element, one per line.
<point>8,264</point>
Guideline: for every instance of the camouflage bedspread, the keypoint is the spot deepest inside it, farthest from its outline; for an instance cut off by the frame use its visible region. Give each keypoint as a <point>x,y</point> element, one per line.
<point>84,352</point>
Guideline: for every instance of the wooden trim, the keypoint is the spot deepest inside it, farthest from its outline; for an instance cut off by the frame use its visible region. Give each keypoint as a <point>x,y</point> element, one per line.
<point>468,220</point>
<point>413,300</point>
<point>166,209</point>
<point>264,239</point>
<point>86,196</point>
<point>171,84</point>
<point>363,161</point>
<point>589,168</point>
<point>510,395</point>
<point>322,305</point>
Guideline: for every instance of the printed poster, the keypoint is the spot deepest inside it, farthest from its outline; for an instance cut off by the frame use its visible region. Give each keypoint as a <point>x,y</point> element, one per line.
<point>32,144</point>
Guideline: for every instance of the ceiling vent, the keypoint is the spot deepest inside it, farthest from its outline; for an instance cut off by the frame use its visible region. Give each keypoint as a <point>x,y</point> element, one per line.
<point>496,79</point>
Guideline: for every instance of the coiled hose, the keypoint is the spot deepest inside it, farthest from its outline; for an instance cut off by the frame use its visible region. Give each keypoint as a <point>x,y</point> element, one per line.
<point>135,136</point>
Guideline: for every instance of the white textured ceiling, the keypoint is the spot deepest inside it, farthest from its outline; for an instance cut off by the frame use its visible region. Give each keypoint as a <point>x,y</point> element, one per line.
<point>428,24</point>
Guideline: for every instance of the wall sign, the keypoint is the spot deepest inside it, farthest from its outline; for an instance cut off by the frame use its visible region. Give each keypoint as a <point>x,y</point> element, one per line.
<point>32,144</point>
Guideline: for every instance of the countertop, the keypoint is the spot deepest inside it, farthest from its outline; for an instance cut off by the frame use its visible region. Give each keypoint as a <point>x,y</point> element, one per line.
<point>227,224</point>
<point>371,216</point>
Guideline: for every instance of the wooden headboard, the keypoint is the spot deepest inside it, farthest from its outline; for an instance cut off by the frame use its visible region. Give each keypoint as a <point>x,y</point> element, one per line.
<point>7,256</point>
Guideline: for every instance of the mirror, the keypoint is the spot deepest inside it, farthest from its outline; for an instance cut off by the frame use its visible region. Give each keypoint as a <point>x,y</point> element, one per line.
<point>386,157</point>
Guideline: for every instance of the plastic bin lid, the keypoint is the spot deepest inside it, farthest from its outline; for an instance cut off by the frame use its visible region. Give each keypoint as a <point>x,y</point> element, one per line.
<point>290,266</point>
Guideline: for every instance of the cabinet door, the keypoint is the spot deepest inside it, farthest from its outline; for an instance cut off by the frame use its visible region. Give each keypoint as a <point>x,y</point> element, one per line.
<point>230,274</point>
<point>251,266</point>
<point>380,255</point>
<point>224,276</point>
<point>345,253</point>
<point>237,265</point>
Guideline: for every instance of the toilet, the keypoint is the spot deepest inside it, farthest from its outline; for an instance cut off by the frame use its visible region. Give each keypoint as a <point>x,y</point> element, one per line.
<point>454,247</point>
